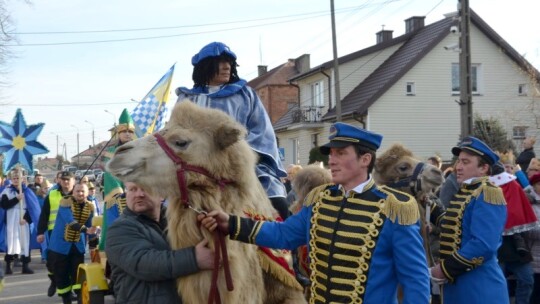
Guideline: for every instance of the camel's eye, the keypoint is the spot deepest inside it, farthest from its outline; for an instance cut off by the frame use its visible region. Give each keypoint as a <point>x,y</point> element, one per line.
<point>181,144</point>
<point>403,167</point>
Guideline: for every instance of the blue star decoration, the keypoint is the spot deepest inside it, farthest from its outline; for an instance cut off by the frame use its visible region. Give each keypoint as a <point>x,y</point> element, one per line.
<point>18,142</point>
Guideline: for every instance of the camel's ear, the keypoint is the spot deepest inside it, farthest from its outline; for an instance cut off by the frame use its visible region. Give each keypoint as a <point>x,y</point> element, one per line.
<point>226,136</point>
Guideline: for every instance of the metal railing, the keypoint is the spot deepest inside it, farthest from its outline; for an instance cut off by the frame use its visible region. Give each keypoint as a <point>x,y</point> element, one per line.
<point>308,114</point>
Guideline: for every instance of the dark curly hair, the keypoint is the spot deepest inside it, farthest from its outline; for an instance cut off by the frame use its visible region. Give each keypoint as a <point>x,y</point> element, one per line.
<point>207,69</point>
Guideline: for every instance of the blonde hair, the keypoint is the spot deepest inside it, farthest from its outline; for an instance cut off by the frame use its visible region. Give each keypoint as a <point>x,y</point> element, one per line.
<point>529,141</point>
<point>507,158</point>
<point>14,172</point>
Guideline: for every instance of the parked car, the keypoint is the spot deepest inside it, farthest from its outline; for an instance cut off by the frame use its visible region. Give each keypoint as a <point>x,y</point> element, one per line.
<point>97,172</point>
<point>89,174</point>
<point>99,180</point>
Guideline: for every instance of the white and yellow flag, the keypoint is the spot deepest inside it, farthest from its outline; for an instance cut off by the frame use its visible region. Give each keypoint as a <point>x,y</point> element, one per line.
<point>150,112</point>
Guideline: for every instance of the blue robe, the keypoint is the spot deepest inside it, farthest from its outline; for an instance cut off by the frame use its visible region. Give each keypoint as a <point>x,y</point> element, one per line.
<point>33,209</point>
<point>242,103</point>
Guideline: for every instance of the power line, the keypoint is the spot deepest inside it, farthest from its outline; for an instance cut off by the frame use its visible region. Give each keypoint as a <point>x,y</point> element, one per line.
<point>301,17</point>
<point>317,14</point>
<point>155,37</point>
<point>73,104</point>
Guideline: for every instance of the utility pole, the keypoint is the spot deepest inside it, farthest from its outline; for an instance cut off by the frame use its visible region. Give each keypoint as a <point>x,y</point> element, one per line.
<point>93,137</point>
<point>78,152</point>
<point>336,65</point>
<point>56,143</point>
<point>466,112</point>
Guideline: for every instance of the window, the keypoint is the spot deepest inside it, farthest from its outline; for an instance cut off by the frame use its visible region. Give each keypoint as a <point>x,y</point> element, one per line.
<point>522,89</point>
<point>314,140</point>
<point>519,132</point>
<point>317,94</point>
<point>475,75</point>
<point>410,89</point>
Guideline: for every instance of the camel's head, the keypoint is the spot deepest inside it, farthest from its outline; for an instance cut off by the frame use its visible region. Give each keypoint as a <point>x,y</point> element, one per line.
<point>399,164</point>
<point>308,178</point>
<point>201,137</point>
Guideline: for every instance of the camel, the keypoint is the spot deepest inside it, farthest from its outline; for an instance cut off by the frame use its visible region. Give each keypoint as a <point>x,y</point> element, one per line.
<point>305,180</point>
<point>220,174</point>
<point>398,168</point>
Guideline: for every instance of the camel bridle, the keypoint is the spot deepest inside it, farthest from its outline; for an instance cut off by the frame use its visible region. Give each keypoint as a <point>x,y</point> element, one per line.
<point>182,167</point>
<point>413,182</point>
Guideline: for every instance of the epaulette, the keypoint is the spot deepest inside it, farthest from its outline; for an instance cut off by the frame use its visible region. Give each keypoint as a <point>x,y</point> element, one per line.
<point>67,201</point>
<point>400,205</point>
<point>492,194</point>
<point>112,197</point>
<point>315,194</point>
<point>89,203</point>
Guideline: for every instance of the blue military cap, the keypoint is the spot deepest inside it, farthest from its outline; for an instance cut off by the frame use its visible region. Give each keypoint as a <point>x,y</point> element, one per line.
<point>343,135</point>
<point>478,147</point>
<point>213,49</point>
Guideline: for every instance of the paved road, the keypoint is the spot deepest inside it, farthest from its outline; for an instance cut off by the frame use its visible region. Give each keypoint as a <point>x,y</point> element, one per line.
<point>31,288</point>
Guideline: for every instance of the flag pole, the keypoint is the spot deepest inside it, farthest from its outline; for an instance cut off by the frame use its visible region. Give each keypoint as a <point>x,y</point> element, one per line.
<point>22,231</point>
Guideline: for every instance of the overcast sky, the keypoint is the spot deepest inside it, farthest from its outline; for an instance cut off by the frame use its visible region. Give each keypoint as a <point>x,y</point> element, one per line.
<point>75,59</point>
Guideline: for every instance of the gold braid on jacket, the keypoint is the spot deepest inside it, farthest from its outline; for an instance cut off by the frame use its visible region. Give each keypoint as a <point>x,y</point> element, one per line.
<point>452,221</point>
<point>344,233</point>
<point>72,231</point>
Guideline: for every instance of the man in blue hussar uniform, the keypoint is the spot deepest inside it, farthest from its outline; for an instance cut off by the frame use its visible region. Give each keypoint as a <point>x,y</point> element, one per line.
<point>471,231</point>
<point>363,239</point>
<point>47,218</point>
<point>68,240</point>
<point>216,85</point>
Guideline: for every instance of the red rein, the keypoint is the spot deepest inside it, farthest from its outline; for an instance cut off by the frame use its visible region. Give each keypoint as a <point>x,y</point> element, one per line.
<point>219,236</point>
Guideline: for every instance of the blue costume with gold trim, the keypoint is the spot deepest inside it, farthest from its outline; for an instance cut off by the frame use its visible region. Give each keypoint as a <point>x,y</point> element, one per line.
<point>67,243</point>
<point>361,245</point>
<point>471,233</point>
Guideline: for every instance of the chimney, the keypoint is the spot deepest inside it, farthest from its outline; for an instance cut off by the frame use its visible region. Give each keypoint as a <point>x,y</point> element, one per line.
<point>262,69</point>
<point>383,36</point>
<point>302,63</point>
<point>414,23</point>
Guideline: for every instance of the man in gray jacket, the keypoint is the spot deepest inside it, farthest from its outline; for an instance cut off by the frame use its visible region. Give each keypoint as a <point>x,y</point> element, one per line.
<point>144,268</point>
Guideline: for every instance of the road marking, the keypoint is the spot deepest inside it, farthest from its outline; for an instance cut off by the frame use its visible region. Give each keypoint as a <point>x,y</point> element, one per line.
<point>24,282</point>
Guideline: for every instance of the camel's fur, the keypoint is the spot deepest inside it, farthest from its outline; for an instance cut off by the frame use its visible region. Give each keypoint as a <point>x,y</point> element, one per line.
<point>210,139</point>
<point>306,179</point>
<point>398,162</point>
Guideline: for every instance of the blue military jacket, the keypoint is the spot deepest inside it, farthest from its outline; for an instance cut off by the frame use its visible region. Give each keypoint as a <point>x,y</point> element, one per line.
<point>471,233</point>
<point>360,245</point>
<point>63,235</point>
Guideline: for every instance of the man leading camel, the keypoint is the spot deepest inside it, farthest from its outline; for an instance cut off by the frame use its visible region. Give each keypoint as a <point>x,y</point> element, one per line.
<point>363,239</point>
<point>143,265</point>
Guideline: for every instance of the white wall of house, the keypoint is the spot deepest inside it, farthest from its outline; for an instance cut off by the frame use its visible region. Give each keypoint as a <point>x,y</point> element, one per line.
<point>305,143</point>
<point>351,74</point>
<point>429,121</point>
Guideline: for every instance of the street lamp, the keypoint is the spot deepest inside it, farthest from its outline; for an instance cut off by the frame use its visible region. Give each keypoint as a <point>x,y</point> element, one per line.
<point>56,142</point>
<point>93,141</point>
<point>114,116</point>
<point>78,153</point>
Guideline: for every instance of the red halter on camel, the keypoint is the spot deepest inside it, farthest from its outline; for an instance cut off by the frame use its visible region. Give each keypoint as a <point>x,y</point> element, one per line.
<point>219,236</point>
